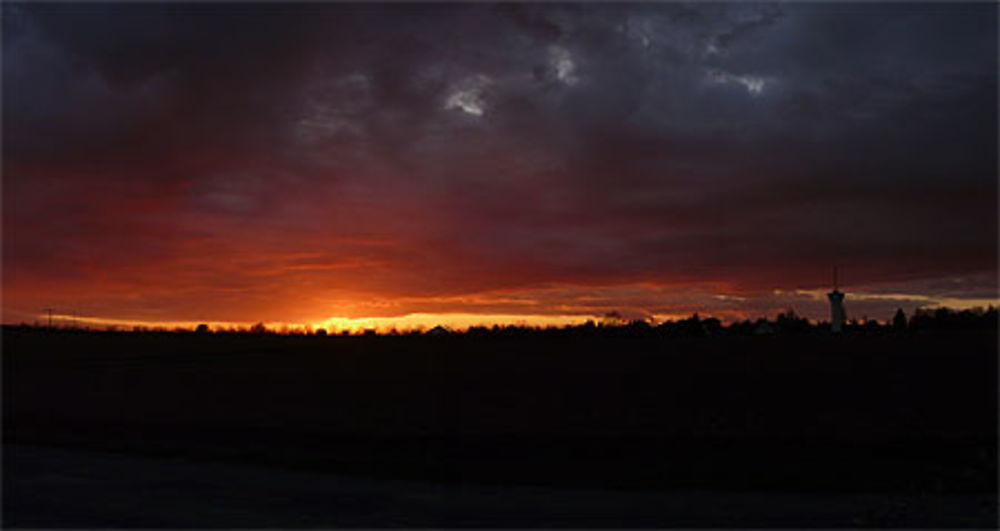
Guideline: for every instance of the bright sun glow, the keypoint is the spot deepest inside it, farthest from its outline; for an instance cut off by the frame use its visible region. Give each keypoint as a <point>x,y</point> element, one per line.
<point>456,321</point>
<point>404,323</point>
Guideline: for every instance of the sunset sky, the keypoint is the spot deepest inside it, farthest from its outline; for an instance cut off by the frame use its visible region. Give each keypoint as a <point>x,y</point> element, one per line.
<point>328,164</point>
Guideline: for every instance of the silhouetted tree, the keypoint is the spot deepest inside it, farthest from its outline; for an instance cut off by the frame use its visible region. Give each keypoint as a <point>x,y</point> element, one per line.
<point>871,326</point>
<point>691,326</point>
<point>948,319</point>
<point>763,327</point>
<point>201,329</point>
<point>899,320</point>
<point>639,324</point>
<point>744,328</point>
<point>258,328</point>
<point>789,322</point>
<point>712,326</point>
<point>613,318</point>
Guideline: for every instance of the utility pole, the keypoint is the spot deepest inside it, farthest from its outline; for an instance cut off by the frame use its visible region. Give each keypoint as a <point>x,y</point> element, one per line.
<point>49,310</point>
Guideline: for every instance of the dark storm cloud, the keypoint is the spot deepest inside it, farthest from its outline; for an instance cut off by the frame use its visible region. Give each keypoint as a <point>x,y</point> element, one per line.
<point>507,146</point>
<point>126,81</point>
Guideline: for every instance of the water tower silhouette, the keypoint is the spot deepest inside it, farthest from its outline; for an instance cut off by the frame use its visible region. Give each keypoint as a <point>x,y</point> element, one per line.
<point>837,313</point>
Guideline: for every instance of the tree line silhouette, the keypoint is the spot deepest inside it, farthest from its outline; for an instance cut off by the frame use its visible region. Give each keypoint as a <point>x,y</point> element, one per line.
<point>612,325</point>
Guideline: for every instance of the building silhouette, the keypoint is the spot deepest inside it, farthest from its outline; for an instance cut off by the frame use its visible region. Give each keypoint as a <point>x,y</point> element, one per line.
<point>837,313</point>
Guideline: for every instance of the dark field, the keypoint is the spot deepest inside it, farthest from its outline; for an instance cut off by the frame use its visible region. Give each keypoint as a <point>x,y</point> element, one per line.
<point>888,414</point>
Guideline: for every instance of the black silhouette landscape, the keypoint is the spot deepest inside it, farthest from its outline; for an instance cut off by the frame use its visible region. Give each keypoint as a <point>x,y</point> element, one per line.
<point>904,415</point>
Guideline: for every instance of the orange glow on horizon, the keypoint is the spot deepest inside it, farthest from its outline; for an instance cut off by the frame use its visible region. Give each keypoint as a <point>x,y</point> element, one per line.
<point>549,306</point>
<point>336,325</point>
<point>405,323</point>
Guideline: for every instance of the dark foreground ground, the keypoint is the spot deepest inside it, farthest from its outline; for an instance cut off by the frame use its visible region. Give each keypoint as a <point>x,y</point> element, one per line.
<point>162,430</point>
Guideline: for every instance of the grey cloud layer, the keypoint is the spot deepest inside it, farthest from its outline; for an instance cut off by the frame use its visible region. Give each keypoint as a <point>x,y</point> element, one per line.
<point>582,142</point>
